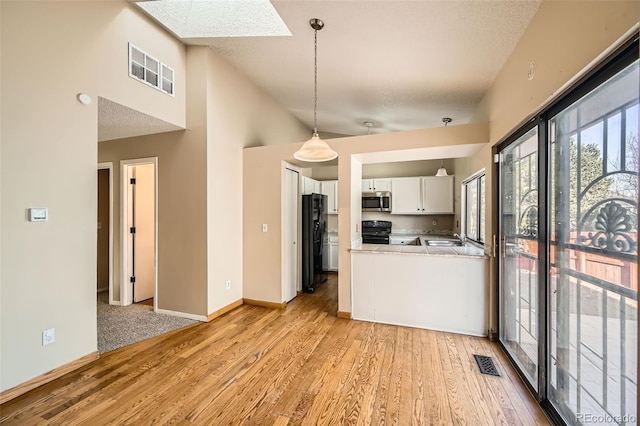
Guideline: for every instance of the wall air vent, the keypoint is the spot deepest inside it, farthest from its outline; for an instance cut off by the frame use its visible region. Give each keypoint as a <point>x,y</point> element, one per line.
<point>150,71</point>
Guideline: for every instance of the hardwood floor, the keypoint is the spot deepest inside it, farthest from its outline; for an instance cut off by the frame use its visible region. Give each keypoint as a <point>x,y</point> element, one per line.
<point>301,365</point>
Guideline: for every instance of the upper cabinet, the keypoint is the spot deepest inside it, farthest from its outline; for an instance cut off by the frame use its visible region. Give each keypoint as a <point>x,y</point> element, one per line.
<point>310,186</point>
<point>423,195</point>
<point>406,197</point>
<point>437,195</point>
<point>330,189</point>
<point>370,185</point>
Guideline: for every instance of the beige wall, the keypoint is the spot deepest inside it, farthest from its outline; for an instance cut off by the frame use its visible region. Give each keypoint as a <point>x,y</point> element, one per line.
<point>182,243</point>
<point>51,51</point>
<point>200,183</point>
<point>239,115</point>
<point>262,193</point>
<point>563,39</point>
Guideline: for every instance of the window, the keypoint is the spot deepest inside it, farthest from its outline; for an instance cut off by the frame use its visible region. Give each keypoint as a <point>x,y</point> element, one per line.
<point>474,216</point>
<point>149,70</point>
<point>167,80</point>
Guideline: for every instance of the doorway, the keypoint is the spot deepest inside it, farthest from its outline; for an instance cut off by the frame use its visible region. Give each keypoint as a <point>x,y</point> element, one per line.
<point>104,268</point>
<point>567,221</point>
<point>139,231</point>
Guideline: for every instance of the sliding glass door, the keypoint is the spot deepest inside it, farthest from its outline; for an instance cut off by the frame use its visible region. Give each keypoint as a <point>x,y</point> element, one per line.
<point>568,248</point>
<point>518,262</point>
<point>593,275</point>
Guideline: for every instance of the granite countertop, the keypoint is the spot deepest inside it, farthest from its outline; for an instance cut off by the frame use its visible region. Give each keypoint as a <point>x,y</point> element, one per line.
<point>467,250</point>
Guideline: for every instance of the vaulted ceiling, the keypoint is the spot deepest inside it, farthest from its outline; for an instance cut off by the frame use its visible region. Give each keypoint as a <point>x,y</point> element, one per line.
<point>402,65</point>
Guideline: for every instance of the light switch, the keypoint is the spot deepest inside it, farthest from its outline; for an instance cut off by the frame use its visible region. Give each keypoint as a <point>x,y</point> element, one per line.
<point>264,227</point>
<point>38,215</point>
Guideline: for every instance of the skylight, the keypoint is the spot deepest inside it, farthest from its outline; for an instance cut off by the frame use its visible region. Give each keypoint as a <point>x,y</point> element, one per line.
<point>217,18</point>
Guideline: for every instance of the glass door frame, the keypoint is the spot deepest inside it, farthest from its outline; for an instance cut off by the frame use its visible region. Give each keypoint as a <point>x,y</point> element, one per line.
<point>541,322</point>
<point>624,55</point>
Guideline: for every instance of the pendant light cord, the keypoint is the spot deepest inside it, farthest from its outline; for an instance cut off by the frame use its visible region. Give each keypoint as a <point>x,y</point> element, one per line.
<point>315,83</point>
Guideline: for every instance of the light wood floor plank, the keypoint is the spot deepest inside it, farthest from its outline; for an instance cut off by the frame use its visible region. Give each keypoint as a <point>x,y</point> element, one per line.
<point>300,365</point>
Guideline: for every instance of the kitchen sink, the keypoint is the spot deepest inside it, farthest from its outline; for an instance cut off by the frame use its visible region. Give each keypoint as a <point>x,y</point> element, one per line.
<point>443,243</point>
<point>411,242</point>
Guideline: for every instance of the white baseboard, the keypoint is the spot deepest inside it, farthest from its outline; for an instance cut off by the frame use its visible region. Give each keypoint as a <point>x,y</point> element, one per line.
<point>202,318</point>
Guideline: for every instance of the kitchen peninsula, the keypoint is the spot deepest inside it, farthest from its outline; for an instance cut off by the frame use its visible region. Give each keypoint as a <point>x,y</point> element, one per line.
<point>423,286</point>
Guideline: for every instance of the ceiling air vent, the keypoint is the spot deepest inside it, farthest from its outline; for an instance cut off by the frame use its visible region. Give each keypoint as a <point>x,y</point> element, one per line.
<point>150,71</point>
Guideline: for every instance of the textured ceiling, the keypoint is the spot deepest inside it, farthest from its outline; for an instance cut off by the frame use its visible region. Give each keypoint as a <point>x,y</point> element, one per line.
<point>401,64</point>
<point>117,121</point>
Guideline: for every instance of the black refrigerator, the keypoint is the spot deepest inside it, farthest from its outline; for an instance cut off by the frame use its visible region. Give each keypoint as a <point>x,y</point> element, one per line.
<point>314,223</point>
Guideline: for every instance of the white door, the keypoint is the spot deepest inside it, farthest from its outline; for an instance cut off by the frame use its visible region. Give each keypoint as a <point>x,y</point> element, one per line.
<point>145,226</point>
<point>406,196</point>
<point>290,236</point>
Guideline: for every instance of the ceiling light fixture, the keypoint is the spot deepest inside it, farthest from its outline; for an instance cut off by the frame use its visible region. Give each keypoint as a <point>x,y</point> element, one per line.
<point>442,171</point>
<point>315,150</point>
<point>369,125</point>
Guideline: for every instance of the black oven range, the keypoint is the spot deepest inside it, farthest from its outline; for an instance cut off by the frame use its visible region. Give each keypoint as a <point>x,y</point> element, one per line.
<point>376,231</point>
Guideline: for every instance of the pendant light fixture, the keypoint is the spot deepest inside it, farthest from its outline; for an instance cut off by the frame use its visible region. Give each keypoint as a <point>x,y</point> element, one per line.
<point>315,150</point>
<point>369,125</point>
<point>442,171</point>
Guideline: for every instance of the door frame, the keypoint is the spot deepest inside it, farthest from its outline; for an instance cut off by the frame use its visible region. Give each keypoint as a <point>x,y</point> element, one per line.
<point>109,166</point>
<point>283,202</point>
<point>125,286</point>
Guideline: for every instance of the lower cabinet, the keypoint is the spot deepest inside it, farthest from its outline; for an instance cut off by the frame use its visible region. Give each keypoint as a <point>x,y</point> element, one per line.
<point>330,254</point>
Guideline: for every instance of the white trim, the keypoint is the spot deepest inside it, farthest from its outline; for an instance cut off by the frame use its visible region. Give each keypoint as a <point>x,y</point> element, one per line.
<point>201,318</point>
<point>463,205</point>
<point>109,166</point>
<point>124,248</point>
<point>475,175</point>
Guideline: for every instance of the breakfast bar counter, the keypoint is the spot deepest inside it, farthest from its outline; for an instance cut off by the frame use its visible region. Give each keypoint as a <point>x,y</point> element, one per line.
<point>431,287</point>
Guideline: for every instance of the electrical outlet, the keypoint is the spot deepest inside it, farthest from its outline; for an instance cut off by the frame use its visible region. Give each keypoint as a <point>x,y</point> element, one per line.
<point>228,284</point>
<point>265,228</point>
<point>48,336</point>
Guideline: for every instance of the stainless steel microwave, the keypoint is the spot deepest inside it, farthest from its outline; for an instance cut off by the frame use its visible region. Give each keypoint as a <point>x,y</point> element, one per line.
<point>379,201</point>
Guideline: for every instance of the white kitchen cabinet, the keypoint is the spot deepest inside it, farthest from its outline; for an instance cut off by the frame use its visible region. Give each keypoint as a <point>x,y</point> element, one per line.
<point>407,196</point>
<point>330,189</point>
<point>330,254</point>
<point>423,195</point>
<point>310,186</point>
<point>333,253</point>
<point>437,195</point>
<point>370,185</point>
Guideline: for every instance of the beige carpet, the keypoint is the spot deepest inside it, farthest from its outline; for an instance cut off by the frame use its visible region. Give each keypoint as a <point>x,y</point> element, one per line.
<point>120,326</point>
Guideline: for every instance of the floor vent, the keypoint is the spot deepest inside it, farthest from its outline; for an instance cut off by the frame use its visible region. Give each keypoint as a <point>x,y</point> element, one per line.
<point>486,365</point>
